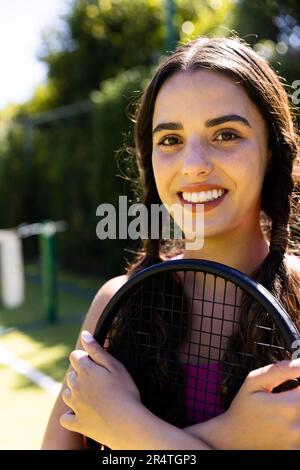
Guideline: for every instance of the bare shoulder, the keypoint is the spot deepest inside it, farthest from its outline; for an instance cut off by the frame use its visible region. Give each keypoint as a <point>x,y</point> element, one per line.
<point>107,291</point>
<point>101,299</point>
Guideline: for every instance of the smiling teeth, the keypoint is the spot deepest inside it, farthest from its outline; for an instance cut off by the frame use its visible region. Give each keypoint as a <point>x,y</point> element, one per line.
<point>203,196</point>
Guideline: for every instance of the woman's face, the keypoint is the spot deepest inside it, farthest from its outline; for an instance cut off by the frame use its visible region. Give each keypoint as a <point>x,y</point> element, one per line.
<point>209,147</point>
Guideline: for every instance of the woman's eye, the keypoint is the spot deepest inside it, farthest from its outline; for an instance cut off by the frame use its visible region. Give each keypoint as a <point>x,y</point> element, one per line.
<point>227,136</point>
<point>169,141</point>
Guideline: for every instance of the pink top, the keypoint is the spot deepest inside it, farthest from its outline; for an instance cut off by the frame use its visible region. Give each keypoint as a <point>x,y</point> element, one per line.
<point>202,391</point>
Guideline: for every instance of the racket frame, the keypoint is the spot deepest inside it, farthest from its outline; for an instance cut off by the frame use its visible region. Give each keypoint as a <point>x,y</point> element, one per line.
<point>281,318</point>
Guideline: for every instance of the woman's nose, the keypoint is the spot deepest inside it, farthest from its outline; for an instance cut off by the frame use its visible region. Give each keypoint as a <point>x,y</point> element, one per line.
<point>196,162</point>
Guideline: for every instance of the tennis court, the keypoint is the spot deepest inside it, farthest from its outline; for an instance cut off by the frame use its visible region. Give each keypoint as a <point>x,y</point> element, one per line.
<point>34,356</point>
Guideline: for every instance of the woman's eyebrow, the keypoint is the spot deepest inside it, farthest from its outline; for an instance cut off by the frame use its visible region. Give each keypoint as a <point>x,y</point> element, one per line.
<point>227,118</point>
<point>175,126</point>
<point>168,126</point>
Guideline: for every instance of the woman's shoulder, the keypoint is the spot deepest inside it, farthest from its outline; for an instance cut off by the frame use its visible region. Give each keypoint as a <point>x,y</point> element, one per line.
<point>101,299</point>
<point>108,290</point>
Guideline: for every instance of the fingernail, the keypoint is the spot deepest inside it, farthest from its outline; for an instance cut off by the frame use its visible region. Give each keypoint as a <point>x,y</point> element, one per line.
<point>86,336</point>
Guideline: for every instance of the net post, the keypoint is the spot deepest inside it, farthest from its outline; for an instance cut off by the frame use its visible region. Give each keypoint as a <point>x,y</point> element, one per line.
<point>48,260</point>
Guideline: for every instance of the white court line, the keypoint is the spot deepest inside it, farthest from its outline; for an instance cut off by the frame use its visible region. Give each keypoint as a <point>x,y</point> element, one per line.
<point>25,369</point>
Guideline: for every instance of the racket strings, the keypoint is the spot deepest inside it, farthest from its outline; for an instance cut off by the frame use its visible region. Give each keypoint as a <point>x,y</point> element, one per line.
<point>182,337</point>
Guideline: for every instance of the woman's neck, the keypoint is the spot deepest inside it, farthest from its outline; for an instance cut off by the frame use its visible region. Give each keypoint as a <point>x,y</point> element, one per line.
<point>241,249</point>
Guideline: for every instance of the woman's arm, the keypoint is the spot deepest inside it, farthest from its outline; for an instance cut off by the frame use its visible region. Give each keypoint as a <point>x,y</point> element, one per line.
<point>256,419</point>
<point>57,437</point>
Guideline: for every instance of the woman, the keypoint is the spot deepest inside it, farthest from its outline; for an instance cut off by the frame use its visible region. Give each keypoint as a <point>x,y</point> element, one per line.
<point>215,117</point>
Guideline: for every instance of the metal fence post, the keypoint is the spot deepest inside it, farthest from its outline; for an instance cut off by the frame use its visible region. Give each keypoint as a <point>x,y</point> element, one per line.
<point>48,261</point>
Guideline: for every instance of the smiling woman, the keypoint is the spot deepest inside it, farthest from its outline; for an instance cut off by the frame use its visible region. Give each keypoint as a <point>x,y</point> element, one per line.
<point>213,129</point>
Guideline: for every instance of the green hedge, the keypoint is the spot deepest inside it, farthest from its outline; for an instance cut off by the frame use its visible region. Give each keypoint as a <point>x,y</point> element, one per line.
<point>64,169</point>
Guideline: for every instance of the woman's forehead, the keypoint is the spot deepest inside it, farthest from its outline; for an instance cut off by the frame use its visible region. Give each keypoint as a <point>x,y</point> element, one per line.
<point>202,92</point>
<point>199,79</point>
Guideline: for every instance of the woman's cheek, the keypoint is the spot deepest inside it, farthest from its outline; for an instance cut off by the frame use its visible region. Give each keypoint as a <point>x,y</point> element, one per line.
<point>164,172</point>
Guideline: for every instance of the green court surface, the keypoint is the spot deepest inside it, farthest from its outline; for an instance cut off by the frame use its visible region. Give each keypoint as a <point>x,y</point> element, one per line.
<point>41,347</point>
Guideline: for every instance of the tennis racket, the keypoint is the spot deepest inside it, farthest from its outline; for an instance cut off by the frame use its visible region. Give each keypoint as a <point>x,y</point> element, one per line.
<point>179,327</point>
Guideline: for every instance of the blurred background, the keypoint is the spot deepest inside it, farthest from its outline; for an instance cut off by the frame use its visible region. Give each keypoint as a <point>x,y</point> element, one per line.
<point>71,71</point>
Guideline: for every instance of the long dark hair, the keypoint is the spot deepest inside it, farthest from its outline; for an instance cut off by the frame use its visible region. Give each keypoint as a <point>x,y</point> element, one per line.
<point>234,58</point>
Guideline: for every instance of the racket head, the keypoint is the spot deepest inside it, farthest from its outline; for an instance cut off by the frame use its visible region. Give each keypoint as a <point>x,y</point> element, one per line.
<point>172,324</point>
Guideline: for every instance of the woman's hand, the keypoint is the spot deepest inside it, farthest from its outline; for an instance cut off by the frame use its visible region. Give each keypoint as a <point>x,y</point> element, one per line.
<point>105,405</point>
<point>101,394</point>
<point>258,418</point>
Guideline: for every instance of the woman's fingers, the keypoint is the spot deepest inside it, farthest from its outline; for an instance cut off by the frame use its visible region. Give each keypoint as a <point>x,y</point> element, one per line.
<point>97,353</point>
<point>71,379</point>
<point>94,353</point>
<point>268,377</point>
<point>78,359</point>
<point>68,420</point>
<point>66,396</point>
